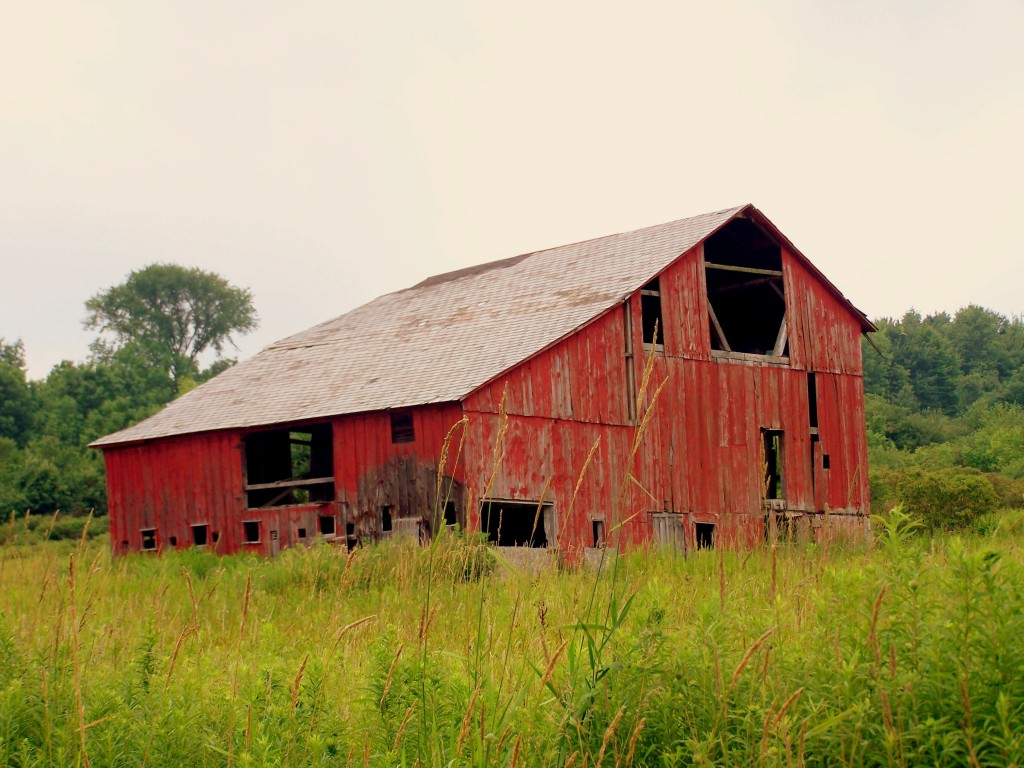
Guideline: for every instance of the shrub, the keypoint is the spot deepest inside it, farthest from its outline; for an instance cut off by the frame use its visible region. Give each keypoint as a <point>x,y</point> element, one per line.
<point>949,500</point>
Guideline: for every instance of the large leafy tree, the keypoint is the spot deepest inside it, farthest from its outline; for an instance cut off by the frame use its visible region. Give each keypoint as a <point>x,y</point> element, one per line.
<point>15,396</point>
<point>172,314</point>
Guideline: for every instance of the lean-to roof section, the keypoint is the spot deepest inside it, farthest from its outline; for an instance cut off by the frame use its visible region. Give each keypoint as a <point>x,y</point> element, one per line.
<point>434,342</point>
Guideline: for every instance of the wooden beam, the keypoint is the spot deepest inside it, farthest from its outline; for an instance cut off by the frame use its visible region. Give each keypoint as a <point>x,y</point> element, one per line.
<point>718,327</point>
<point>749,284</point>
<point>780,340</point>
<point>293,482</point>
<point>748,270</point>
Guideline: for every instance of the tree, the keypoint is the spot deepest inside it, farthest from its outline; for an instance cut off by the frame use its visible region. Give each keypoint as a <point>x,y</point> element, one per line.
<point>174,314</point>
<point>15,396</point>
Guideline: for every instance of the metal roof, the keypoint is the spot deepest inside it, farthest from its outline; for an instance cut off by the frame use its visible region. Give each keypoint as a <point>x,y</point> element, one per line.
<point>435,342</point>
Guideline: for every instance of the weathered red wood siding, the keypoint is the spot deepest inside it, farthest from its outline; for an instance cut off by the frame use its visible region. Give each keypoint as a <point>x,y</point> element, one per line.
<point>170,484</point>
<point>702,451</point>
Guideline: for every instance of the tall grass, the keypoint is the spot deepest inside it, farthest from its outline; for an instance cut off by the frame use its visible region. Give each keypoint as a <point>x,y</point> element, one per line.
<point>904,653</point>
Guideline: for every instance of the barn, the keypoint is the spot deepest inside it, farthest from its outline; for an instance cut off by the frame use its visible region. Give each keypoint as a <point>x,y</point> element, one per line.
<point>692,384</point>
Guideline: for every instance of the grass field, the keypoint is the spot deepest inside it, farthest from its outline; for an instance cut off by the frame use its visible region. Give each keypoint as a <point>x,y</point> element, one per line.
<point>908,652</point>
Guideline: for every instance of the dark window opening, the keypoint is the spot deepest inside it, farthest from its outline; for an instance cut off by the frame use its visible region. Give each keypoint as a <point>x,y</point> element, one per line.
<point>199,535</point>
<point>826,463</point>
<point>773,485</point>
<point>385,519</point>
<point>216,536</point>
<point>516,523</point>
<point>705,534</point>
<point>402,429</point>
<point>149,538</point>
<point>289,466</point>
<point>350,536</point>
<point>451,515</point>
<point>326,523</point>
<point>650,313</point>
<point>251,531</point>
<point>124,545</point>
<point>597,529</point>
<point>173,540</point>
<point>302,533</point>
<point>746,295</point>
<point>812,400</point>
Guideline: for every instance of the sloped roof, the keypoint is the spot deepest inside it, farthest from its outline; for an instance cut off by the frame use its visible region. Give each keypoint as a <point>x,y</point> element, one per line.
<point>435,342</point>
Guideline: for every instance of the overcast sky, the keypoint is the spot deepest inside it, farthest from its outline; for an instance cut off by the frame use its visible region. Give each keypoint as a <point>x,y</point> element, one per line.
<point>323,153</point>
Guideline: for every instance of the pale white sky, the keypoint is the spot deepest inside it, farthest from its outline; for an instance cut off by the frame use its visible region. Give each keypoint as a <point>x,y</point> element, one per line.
<point>324,152</point>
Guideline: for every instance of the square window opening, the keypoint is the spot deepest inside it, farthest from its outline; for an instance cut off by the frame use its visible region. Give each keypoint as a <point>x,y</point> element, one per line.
<point>705,535</point>
<point>148,538</point>
<point>517,523</point>
<point>326,524</point>
<point>200,535</point>
<point>402,428</point>
<point>301,533</point>
<point>251,531</point>
<point>173,541</point>
<point>285,467</point>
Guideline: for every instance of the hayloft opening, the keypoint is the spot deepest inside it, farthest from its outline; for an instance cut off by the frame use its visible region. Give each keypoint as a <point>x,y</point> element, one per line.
<point>402,428</point>
<point>289,466</point>
<point>148,538</point>
<point>650,313</point>
<point>517,523</point>
<point>746,293</point>
<point>200,534</point>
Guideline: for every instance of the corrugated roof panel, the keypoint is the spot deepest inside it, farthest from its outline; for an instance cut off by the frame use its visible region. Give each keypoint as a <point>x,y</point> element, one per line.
<point>434,342</point>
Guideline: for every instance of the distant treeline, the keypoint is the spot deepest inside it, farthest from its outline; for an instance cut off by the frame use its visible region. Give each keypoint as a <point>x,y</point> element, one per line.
<point>945,402</point>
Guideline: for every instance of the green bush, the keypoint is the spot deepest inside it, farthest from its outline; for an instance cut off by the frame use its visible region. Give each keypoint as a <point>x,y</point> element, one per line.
<point>949,499</point>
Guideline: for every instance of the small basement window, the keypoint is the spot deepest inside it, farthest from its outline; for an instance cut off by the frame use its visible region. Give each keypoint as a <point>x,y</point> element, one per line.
<point>402,429</point>
<point>301,533</point>
<point>517,523</point>
<point>650,313</point>
<point>705,535</point>
<point>200,535</point>
<point>149,538</point>
<point>326,523</point>
<point>173,541</point>
<point>289,466</point>
<point>251,531</point>
<point>746,293</point>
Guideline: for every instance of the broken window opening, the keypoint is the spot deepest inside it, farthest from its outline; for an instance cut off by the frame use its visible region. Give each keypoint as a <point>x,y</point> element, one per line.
<point>773,480</point>
<point>251,531</point>
<point>812,402</point>
<point>451,515</point>
<point>200,534</point>
<point>667,531</point>
<point>385,519</point>
<point>517,523</point>
<point>650,313</point>
<point>148,538</point>
<point>597,529</point>
<point>326,525</point>
<point>173,541</point>
<point>402,428</point>
<point>746,292</point>
<point>704,533</point>
<point>285,467</point>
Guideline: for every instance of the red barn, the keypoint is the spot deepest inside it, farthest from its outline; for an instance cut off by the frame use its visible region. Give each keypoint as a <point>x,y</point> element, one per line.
<point>510,398</point>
